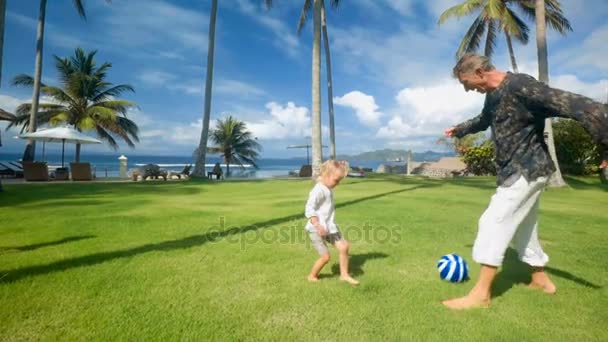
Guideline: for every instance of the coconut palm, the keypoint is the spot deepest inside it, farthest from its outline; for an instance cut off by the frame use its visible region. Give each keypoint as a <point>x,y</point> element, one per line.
<point>84,99</point>
<point>28,154</point>
<point>330,102</point>
<point>497,16</point>
<point>234,143</point>
<point>201,151</point>
<point>2,17</point>
<point>541,6</point>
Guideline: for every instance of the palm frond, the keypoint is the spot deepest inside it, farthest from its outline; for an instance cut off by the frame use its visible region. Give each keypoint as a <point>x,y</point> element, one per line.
<point>516,27</point>
<point>490,37</point>
<point>80,8</point>
<point>101,113</point>
<point>335,4</point>
<point>119,106</point>
<point>112,92</point>
<point>553,14</point>
<point>104,135</point>
<point>57,94</point>
<point>459,11</point>
<point>24,80</point>
<point>304,15</point>
<point>471,40</point>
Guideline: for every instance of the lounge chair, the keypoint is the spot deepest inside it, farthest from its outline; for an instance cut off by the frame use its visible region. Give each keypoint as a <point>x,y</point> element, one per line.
<point>35,171</point>
<point>184,174</point>
<point>306,171</point>
<point>81,171</point>
<point>11,168</point>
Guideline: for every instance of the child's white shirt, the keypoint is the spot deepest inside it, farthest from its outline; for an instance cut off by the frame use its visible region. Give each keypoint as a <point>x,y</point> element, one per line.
<point>321,204</point>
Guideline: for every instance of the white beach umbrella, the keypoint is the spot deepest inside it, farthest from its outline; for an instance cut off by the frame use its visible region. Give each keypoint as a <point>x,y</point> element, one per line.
<point>62,135</point>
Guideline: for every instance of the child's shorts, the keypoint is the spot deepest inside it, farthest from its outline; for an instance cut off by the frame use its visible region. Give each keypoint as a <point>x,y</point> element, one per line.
<point>319,242</point>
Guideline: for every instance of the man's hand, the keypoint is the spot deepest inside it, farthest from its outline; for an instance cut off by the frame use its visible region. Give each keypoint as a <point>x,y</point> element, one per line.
<point>449,132</point>
<point>321,230</point>
<point>604,164</point>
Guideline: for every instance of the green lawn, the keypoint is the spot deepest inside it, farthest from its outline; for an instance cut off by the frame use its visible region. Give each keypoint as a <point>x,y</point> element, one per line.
<point>210,261</point>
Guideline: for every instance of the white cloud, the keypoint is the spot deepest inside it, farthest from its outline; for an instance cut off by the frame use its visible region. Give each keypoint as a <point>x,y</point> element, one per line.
<point>405,56</point>
<point>595,90</point>
<point>155,78</point>
<point>192,87</point>
<point>426,111</point>
<point>289,121</point>
<point>592,53</point>
<point>53,34</point>
<point>239,88</point>
<point>285,39</point>
<point>404,7</point>
<point>157,22</point>
<point>364,105</point>
<point>10,103</point>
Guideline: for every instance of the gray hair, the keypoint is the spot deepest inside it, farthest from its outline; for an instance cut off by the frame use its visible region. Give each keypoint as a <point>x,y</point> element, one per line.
<point>471,62</point>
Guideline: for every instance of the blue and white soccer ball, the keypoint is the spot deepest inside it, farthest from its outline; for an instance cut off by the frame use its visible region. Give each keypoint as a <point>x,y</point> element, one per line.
<point>453,268</point>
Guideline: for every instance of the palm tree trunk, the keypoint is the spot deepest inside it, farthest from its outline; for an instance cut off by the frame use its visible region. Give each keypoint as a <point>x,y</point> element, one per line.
<point>30,148</point>
<point>556,179</point>
<point>199,166</point>
<point>2,16</point>
<point>317,156</point>
<point>330,95</point>
<point>77,159</point>
<point>511,53</point>
<point>227,161</point>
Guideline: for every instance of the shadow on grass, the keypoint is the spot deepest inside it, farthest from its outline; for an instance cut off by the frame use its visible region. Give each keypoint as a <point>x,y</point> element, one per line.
<point>32,247</point>
<point>515,272</point>
<point>356,262</point>
<point>589,183</point>
<point>15,195</point>
<point>187,242</point>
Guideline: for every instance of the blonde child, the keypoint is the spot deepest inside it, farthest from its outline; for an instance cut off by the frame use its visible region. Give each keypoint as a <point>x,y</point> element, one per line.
<point>321,225</point>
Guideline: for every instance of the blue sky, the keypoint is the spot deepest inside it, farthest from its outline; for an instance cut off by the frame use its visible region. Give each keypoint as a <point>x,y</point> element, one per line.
<point>391,67</point>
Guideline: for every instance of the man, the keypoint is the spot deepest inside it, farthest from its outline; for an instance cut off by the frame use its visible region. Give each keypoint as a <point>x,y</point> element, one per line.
<point>516,107</point>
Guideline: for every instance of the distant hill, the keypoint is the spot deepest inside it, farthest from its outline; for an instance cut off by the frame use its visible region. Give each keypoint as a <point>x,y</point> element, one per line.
<point>392,155</point>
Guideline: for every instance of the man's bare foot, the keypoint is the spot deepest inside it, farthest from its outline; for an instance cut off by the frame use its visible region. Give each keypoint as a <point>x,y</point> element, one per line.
<point>349,280</point>
<point>313,279</point>
<point>469,301</point>
<point>541,281</point>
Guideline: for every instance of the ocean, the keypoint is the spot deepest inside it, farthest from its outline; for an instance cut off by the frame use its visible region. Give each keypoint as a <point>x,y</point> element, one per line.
<point>107,165</point>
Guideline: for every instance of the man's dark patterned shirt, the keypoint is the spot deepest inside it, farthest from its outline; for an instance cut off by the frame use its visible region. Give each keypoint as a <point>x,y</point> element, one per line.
<point>517,110</point>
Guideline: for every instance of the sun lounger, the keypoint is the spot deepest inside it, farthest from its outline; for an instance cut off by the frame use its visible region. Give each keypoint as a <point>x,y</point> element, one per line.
<point>81,171</point>
<point>11,168</point>
<point>35,171</point>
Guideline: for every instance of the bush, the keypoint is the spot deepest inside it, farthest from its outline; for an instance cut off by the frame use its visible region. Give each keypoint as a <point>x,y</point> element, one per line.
<point>577,152</point>
<point>480,159</point>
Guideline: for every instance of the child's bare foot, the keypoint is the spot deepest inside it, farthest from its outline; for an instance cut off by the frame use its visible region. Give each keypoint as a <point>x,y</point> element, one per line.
<point>541,281</point>
<point>469,301</point>
<point>313,279</point>
<point>349,280</point>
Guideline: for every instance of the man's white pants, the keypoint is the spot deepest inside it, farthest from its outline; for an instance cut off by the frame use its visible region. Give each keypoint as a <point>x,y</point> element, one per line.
<point>511,216</point>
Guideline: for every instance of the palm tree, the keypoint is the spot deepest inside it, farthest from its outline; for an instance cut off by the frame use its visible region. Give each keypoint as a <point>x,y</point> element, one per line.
<point>2,16</point>
<point>330,96</point>
<point>235,143</point>
<point>556,179</point>
<point>201,151</point>
<point>496,16</point>
<point>5,116</point>
<point>30,149</point>
<point>84,99</point>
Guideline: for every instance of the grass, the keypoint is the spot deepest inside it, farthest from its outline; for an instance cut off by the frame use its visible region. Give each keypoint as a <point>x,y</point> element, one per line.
<point>210,261</point>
